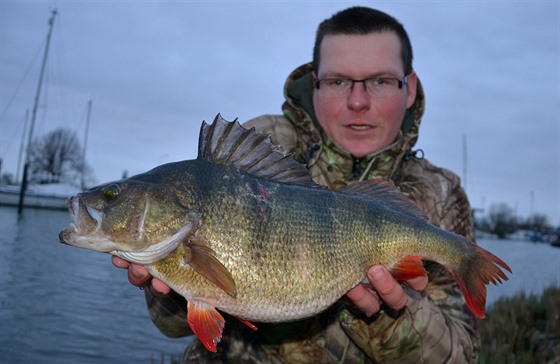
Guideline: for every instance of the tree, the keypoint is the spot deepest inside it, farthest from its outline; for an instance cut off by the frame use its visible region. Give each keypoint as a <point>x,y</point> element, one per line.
<point>56,157</point>
<point>501,220</point>
<point>538,223</point>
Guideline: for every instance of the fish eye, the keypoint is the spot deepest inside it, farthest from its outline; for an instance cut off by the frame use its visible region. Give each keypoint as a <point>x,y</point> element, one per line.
<point>111,192</point>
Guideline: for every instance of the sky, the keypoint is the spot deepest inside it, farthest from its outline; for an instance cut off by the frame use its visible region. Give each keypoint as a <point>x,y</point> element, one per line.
<point>154,70</point>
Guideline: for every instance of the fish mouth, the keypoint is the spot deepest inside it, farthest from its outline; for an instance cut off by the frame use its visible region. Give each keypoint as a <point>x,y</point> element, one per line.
<point>85,231</point>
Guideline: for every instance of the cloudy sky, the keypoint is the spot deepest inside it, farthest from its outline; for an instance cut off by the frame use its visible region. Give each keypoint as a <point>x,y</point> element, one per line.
<point>155,69</point>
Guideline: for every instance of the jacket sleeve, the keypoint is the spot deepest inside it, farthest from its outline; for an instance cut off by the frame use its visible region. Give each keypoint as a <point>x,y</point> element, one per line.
<point>168,313</point>
<point>435,326</point>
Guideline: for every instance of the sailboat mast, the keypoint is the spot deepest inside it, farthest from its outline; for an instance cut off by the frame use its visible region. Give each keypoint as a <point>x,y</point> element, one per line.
<point>22,145</point>
<point>465,162</point>
<point>83,182</point>
<point>34,114</point>
<point>38,93</point>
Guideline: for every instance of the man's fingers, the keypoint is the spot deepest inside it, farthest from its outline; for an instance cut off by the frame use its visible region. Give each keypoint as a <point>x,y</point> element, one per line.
<point>119,262</point>
<point>139,276</point>
<point>160,287</point>
<point>418,284</point>
<point>389,290</point>
<point>365,299</point>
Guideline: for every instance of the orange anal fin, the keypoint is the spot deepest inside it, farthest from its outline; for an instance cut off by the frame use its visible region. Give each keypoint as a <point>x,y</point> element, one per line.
<point>248,323</point>
<point>206,323</point>
<point>407,268</point>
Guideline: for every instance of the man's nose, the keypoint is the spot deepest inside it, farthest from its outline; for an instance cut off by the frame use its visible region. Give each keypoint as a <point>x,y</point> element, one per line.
<point>359,98</point>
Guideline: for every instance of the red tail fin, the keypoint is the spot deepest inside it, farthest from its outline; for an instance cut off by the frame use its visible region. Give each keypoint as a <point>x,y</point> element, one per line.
<point>480,269</point>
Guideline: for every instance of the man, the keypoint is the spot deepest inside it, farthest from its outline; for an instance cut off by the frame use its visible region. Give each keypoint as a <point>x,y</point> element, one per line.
<point>354,114</point>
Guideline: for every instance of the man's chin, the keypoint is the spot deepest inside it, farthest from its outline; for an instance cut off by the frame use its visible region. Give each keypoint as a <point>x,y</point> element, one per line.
<point>360,149</point>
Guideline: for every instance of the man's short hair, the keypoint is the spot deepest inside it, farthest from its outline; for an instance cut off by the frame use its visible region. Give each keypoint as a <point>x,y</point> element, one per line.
<point>360,20</point>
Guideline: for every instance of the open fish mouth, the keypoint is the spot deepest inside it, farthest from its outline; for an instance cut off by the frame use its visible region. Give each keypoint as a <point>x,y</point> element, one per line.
<point>86,231</point>
<point>92,215</point>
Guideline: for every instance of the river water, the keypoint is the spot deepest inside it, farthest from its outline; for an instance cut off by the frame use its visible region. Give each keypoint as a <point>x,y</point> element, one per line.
<point>60,304</point>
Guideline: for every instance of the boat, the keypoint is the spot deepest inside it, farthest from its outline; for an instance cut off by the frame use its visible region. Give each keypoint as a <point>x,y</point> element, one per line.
<point>43,196</point>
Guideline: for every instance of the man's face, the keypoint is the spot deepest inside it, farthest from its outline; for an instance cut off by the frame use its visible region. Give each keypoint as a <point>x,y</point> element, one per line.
<point>359,122</point>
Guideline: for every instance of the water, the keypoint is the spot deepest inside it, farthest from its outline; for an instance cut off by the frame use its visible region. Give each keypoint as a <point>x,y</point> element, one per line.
<point>535,267</point>
<point>60,304</point>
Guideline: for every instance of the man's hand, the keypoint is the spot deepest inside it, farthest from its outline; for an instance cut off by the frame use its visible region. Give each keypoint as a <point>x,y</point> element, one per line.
<point>384,289</point>
<point>139,276</point>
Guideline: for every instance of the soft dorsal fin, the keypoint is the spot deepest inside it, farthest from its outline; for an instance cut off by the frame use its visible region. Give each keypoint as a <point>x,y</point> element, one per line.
<point>229,143</point>
<point>386,193</point>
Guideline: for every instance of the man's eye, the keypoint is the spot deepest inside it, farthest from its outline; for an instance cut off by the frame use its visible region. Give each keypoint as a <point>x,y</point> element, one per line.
<point>386,81</point>
<point>337,82</point>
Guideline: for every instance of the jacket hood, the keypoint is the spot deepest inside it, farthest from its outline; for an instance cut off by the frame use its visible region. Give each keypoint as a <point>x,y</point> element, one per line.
<point>299,110</point>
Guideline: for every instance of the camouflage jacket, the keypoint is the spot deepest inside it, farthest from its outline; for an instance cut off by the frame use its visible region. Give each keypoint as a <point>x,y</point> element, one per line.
<point>435,327</point>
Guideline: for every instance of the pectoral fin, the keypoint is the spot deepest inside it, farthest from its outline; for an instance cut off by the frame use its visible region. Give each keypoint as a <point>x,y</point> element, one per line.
<point>203,260</point>
<point>206,323</point>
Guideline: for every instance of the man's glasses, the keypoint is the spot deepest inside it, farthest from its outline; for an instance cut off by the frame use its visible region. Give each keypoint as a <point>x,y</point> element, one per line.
<point>375,86</point>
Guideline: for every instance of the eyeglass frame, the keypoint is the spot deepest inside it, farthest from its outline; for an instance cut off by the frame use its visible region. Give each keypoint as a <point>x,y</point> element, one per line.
<point>401,83</point>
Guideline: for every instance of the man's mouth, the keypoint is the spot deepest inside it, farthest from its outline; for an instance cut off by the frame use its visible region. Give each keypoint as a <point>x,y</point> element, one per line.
<point>360,127</point>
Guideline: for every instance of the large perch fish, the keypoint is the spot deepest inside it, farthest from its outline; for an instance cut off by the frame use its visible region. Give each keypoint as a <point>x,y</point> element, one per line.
<point>245,230</point>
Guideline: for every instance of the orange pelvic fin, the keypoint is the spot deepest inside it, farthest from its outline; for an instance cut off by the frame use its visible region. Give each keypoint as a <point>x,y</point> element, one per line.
<point>475,274</point>
<point>206,323</point>
<point>248,323</point>
<point>407,268</point>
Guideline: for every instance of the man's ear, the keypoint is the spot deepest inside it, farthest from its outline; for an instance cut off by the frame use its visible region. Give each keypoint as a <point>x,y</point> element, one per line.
<point>411,89</point>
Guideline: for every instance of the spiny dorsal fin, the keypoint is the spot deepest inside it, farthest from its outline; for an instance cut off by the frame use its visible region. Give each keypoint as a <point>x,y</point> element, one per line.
<point>229,143</point>
<point>386,193</point>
